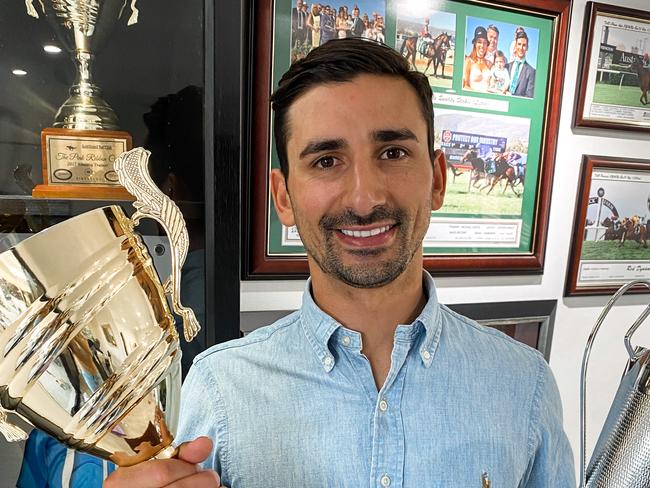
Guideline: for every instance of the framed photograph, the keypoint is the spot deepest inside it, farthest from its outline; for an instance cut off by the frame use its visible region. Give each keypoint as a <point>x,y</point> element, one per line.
<point>611,226</point>
<point>496,72</point>
<point>613,87</point>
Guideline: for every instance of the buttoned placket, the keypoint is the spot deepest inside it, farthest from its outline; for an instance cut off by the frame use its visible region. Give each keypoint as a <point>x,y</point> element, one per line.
<point>388,443</point>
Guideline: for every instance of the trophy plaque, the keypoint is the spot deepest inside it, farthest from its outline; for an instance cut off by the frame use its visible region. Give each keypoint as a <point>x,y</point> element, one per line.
<point>78,151</point>
<point>89,351</point>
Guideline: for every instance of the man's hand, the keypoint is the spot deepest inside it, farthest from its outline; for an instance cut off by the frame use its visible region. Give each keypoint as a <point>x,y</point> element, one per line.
<point>174,473</point>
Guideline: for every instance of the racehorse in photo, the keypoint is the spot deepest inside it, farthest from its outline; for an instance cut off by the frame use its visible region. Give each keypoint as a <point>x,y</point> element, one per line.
<point>614,230</point>
<point>454,170</point>
<point>478,169</point>
<point>435,52</point>
<point>504,172</point>
<point>644,79</point>
<point>634,230</point>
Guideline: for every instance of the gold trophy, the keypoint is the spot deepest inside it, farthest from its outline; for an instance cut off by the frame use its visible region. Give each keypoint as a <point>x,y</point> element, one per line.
<point>89,352</point>
<point>79,150</point>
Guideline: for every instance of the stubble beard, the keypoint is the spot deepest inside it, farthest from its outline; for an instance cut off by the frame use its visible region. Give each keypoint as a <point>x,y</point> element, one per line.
<point>371,274</point>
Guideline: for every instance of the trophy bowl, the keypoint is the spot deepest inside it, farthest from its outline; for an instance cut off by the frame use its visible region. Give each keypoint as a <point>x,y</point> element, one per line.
<point>89,351</point>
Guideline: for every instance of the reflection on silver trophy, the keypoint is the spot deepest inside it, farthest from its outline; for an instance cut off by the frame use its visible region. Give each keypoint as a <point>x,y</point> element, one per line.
<point>89,351</point>
<point>83,26</point>
<point>621,458</point>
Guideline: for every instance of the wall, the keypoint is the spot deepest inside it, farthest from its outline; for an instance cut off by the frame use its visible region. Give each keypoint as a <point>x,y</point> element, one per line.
<point>575,316</point>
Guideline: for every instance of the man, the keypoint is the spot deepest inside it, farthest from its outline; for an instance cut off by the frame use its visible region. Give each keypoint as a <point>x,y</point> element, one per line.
<point>299,24</point>
<point>493,41</point>
<point>327,25</point>
<point>522,74</point>
<point>372,382</point>
<point>357,24</point>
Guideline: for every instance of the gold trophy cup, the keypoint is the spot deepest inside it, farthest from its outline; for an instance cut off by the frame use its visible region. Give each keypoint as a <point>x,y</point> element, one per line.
<point>89,351</point>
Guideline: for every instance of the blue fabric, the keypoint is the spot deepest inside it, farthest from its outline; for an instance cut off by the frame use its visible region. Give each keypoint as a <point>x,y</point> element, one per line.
<point>295,404</point>
<point>515,75</point>
<point>43,465</point>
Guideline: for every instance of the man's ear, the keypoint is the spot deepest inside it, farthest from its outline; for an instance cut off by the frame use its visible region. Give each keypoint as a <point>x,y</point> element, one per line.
<point>439,179</point>
<point>281,198</point>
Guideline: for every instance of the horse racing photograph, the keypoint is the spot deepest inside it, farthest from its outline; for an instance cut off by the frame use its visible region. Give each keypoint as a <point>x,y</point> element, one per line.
<point>486,161</point>
<point>615,226</point>
<point>624,58</point>
<point>615,84</point>
<point>610,229</point>
<point>427,38</point>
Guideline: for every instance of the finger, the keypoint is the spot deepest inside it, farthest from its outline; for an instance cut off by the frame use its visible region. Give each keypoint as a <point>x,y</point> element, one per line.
<point>151,474</point>
<point>203,479</point>
<point>195,451</point>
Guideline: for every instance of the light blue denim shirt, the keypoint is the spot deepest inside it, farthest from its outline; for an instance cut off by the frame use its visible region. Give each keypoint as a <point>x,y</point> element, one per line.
<point>295,404</point>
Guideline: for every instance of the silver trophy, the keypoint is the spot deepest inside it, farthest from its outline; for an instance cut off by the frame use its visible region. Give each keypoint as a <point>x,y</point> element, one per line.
<point>621,458</point>
<point>89,351</point>
<point>83,26</point>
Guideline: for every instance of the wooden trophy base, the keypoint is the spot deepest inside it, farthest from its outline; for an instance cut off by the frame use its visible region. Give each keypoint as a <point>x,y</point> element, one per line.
<point>79,164</point>
<point>89,192</point>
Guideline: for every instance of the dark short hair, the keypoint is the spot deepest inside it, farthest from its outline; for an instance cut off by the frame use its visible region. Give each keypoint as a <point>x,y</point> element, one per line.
<point>337,61</point>
<point>494,28</point>
<point>521,35</point>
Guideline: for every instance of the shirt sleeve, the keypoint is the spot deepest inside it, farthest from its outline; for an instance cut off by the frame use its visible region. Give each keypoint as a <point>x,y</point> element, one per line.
<point>202,413</point>
<point>551,461</point>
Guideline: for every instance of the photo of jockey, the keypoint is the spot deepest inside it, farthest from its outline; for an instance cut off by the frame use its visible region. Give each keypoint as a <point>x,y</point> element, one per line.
<point>427,38</point>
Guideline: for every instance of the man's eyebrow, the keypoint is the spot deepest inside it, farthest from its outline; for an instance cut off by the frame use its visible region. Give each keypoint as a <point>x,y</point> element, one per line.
<point>314,147</point>
<point>389,135</point>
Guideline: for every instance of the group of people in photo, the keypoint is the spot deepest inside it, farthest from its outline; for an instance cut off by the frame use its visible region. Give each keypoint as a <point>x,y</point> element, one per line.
<point>313,27</point>
<point>489,69</point>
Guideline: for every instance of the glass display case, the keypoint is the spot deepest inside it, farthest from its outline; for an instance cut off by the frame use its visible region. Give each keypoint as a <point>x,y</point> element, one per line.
<point>172,74</point>
<point>153,63</point>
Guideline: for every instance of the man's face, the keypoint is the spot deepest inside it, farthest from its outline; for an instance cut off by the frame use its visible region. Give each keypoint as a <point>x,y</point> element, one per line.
<point>299,4</point>
<point>361,183</point>
<point>355,12</point>
<point>521,47</point>
<point>493,39</point>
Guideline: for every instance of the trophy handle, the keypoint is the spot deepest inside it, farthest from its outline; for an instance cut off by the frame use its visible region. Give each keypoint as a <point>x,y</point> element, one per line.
<point>11,432</point>
<point>31,10</point>
<point>133,19</point>
<point>133,174</point>
<point>585,362</point>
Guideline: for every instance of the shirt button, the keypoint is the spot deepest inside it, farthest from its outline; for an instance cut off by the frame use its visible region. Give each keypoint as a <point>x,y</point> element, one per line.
<point>328,360</point>
<point>385,480</point>
<point>346,340</point>
<point>383,405</point>
<point>426,355</point>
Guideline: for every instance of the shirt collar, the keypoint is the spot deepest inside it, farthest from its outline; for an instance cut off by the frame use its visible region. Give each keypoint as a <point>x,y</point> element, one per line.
<point>319,327</point>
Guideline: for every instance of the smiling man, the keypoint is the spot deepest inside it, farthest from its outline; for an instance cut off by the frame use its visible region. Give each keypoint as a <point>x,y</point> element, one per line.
<point>372,382</point>
<point>522,74</point>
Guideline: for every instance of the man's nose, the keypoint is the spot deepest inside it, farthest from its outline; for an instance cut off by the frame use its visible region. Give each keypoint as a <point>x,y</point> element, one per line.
<point>366,188</point>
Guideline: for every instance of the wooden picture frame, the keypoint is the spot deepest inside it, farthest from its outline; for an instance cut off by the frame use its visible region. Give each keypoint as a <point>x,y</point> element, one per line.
<point>612,210</point>
<point>609,90</point>
<point>267,256</point>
